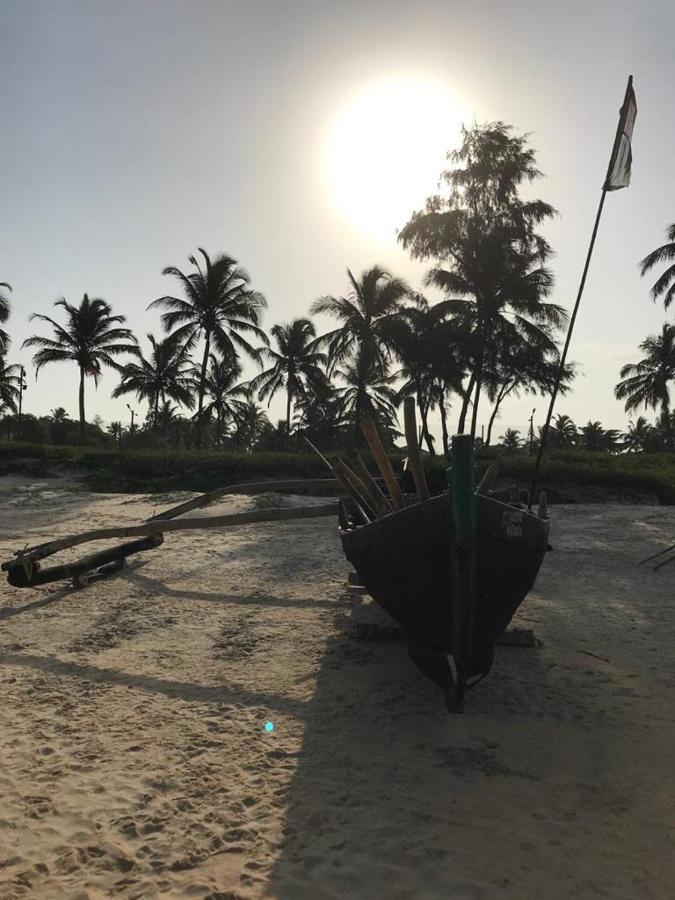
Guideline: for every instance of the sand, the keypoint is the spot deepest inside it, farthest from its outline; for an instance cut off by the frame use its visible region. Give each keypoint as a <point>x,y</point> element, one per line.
<point>134,760</point>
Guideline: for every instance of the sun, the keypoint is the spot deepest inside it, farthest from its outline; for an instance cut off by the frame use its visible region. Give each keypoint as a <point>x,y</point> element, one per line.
<point>386,148</point>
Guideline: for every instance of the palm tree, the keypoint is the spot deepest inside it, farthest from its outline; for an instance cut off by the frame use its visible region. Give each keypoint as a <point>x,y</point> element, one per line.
<point>58,416</point>
<point>320,413</point>
<point>251,422</point>
<point>219,306</point>
<point>664,286</point>
<point>4,315</point>
<point>91,338</point>
<point>593,436</point>
<point>115,431</point>
<point>295,364</point>
<point>10,380</point>
<point>228,399</point>
<point>163,375</point>
<point>424,342</point>
<point>639,436</point>
<point>514,365</point>
<point>565,431</point>
<point>647,382</point>
<point>488,255</point>
<point>510,440</point>
<point>368,392</point>
<point>360,340</point>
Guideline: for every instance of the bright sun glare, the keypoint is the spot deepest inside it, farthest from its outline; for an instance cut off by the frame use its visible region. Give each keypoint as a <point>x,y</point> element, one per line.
<point>386,149</point>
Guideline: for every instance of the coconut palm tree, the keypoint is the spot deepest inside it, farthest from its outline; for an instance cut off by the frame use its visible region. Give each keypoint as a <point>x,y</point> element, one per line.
<point>421,338</point>
<point>320,413</point>
<point>227,397</point>
<point>359,341</point>
<point>58,416</point>
<point>4,315</point>
<point>295,364</point>
<point>664,286</point>
<point>250,423</point>
<point>565,431</point>
<point>10,380</point>
<point>647,382</point>
<point>639,436</point>
<point>219,306</point>
<point>164,375</point>
<point>594,437</point>
<point>368,392</point>
<point>514,366</point>
<point>91,337</point>
<point>510,440</point>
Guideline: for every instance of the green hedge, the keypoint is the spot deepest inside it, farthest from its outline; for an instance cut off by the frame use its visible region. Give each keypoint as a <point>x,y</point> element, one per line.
<point>570,476</point>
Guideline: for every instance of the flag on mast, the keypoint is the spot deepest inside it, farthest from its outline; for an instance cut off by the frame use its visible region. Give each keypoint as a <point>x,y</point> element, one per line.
<point>618,172</point>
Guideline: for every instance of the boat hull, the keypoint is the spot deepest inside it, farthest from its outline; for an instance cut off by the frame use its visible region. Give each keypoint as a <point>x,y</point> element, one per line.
<point>406,565</point>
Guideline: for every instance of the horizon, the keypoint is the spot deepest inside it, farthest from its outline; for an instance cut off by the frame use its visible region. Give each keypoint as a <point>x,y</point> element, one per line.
<point>104,183</point>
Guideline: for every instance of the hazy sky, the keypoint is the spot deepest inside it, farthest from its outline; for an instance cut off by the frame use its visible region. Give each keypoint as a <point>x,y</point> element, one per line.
<point>134,132</point>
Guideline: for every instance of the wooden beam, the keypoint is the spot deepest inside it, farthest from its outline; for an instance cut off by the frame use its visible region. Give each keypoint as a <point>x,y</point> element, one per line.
<point>162,527</point>
<point>382,460</point>
<point>414,458</point>
<point>252,487</point>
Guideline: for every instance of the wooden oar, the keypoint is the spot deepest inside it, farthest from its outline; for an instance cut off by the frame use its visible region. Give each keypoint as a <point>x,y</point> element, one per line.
<point>382,460</point>
<point>414,459</point>
<point>359,468</point>
<point>353,495</point>
<point>488,479</point>
<point>162,527</point>
<point>356,487</point>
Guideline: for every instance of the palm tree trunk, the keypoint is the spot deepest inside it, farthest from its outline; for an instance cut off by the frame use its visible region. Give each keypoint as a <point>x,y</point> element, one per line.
<point>202,381</point>
<point>155,412</point>
<point>358,409</point>
<point>424,413</point>
<point>81,399</point>
<point>491,422</point>
<point>500,396</point>
<point>289,400</point>
<point>219,425</point>
<point>444,421</point>
<point>465,403</point>
<point>479,385</point>
<point>668,426</point>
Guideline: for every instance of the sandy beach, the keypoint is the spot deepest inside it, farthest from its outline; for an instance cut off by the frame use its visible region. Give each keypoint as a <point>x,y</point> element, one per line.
<point>134,760</point>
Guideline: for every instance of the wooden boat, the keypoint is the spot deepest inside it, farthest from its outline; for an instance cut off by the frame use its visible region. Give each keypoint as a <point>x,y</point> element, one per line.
<point>408,563</point>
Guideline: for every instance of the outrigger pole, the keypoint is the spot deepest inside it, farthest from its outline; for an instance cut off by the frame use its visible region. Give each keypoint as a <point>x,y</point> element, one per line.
<point>618,176</point>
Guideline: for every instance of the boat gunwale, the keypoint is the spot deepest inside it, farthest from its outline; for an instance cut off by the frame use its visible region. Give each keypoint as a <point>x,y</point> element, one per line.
<point>437,497</point>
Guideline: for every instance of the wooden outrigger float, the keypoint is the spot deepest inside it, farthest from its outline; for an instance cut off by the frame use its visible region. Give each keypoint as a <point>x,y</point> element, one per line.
<point>24,570</point>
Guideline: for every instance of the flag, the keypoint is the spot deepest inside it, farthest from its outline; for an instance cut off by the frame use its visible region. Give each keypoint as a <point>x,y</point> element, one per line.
<point>618,172</point>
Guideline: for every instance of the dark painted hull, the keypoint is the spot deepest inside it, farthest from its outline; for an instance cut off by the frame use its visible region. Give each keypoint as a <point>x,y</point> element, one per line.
<point>406,564</point>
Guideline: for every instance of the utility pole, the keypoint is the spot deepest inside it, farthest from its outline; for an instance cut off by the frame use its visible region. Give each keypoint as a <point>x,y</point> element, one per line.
<point>532,430</point>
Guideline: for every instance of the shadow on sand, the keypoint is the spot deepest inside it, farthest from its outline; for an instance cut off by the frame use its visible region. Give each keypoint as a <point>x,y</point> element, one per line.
<point>391,793</point>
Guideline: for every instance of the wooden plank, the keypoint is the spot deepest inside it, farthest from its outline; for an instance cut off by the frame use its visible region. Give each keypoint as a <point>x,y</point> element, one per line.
<point>382,460</point>
<point>414,459</point>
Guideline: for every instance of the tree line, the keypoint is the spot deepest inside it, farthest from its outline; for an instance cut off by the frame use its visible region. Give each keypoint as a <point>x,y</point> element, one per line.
<point>493,334</point>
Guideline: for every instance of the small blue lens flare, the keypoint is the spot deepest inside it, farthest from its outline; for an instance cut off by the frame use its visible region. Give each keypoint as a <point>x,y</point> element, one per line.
<point>269,726</point>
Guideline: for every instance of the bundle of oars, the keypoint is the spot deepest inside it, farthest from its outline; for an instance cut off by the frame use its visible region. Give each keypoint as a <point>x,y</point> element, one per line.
<point>362,488</point>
